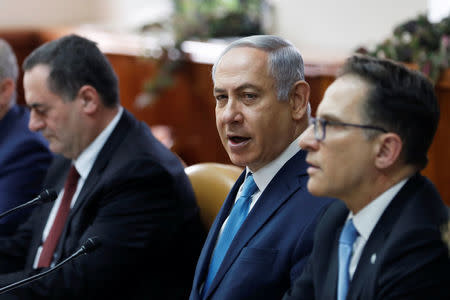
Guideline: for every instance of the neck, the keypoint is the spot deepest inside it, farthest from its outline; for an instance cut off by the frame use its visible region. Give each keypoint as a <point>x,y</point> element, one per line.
<point>373,188</point>
<point>95,125</point>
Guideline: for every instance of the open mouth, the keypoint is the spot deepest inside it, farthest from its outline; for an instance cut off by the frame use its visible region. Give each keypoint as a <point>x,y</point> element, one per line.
<point>238,139</point>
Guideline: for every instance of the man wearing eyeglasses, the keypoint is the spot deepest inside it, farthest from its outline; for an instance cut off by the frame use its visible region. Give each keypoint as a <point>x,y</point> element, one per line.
<point>366,147</point>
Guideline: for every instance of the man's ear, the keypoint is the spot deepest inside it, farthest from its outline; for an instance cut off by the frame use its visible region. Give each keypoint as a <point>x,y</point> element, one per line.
<point>298,99</point>
<point>388,150</point>
<point>90,99</point>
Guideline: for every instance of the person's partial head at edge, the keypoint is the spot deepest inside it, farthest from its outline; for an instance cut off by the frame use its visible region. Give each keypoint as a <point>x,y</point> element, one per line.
<point>357,164</point>
<point>261,99</point>
<point>9,72</point>
<point>72,91</point>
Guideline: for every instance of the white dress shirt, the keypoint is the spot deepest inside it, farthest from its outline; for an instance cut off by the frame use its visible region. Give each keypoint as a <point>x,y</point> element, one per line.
<point>264,176</point>
<point>366,219</point>
<point>83,164</point>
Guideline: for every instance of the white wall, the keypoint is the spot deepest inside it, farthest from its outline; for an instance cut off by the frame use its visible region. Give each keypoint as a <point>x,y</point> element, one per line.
<point>132,14</point>
<point>321,29</point>
<point>331,29</point>
<point>45,13</point>
<point>118,14</point>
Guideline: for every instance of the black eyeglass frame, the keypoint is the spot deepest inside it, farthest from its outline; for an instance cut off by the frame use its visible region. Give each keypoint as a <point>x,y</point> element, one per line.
<point>314,121</point>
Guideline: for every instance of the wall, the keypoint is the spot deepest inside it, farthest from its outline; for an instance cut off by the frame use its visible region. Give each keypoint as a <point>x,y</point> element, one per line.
<point>330,30</point>
<point>325,30</point>
<point>45,13</point>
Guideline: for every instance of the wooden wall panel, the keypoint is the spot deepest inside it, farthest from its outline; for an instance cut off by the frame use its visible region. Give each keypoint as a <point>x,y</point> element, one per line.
<point>188,107</point>
<point>22,42</point>
<point>438,169</point>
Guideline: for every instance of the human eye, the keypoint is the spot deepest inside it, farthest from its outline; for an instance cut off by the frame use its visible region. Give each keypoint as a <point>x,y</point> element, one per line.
<point>220,97</point>
<point>249,97</point>
<point>40,110</point>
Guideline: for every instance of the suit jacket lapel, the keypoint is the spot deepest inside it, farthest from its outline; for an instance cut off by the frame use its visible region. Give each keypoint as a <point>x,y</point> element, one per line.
<point>332,263</point>
<point>103,157</point>
<point>379,234</point>
<point>288,179</point>
<point>205,256</point>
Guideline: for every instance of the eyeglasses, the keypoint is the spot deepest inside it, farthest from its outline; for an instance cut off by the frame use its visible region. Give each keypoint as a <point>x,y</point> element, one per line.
<point>320,126</point>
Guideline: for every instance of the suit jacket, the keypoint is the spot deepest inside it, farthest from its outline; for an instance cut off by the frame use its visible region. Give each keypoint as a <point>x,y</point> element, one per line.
<point>404,257</point>
<point>139,202</point>
<point>24,160</point>
<point>272,245</point>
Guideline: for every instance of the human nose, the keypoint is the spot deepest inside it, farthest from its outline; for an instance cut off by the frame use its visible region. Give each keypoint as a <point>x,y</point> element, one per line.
<point>307,140</point>
<point>231,112</point>
<point>35,123</point>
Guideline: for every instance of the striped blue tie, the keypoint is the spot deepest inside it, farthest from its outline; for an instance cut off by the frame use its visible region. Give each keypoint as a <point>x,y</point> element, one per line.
<point>348,237</point>
<point>235,219</point>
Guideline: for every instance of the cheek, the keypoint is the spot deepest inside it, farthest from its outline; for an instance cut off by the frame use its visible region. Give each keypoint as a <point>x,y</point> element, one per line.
<point>218,115</point>
<point>218,124</point>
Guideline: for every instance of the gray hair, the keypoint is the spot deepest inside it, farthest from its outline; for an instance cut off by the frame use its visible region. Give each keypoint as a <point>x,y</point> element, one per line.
<point>285,61</point>
<point>8,64</point>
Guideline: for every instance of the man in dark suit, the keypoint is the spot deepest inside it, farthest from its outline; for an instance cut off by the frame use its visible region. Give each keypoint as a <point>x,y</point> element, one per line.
<point>24,155</point>
<point>262,235</point>
<point>366,147</point>
<point>124,187</point>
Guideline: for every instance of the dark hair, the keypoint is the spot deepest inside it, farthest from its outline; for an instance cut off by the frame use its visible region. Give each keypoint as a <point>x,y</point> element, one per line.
<point>400,100</point>
<point>75,61</point>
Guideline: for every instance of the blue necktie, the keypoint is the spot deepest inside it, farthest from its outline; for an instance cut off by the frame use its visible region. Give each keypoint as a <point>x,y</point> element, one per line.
<point>235,219</point>
<point>348,237</point>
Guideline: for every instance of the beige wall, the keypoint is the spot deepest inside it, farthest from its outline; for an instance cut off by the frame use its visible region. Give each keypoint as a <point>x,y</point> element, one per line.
<point>38,13</point>
<point>331,29</point>
<point>321,29</point>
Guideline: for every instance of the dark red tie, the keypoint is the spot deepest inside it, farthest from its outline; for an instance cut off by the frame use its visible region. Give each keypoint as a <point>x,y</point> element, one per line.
<point>63,211</point>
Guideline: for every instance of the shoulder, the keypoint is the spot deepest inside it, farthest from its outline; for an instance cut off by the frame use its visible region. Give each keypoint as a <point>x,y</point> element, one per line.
<point>17,132</point>
<point>417,205</point>
<point>333,217</point>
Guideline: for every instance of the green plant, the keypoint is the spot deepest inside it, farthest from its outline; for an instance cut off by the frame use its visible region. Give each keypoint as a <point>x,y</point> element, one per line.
<point>201,20</point>
<point>216,18</point>
<point>419,42</point>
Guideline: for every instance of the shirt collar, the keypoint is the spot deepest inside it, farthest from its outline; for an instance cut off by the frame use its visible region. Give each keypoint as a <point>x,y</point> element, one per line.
<point>264,175</point>
<point>86,159</point>
<point>366,219</point>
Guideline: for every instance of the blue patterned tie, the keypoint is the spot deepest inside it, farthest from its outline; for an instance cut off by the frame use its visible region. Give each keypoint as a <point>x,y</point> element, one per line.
<point>235,219</point>
<point>348,237</point>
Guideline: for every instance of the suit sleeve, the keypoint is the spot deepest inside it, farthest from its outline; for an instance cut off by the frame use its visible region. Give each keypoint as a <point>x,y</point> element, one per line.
<point>21,178</point>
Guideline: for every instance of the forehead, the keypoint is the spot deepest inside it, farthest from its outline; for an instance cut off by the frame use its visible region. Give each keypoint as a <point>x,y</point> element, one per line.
<point>344,98</point>
<point>36,89</point>
<point>36,76</point>
<point>242,65</point>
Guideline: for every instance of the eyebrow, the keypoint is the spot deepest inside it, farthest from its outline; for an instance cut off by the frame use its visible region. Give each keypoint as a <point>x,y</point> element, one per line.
<point>330,117</point>
<point>239,88</point>
<point>36,105</point>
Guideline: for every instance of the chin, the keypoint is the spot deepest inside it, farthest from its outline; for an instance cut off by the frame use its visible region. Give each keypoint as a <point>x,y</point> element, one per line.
<point>237,160</point>
<point>315,188</point>
<point>54,149</point>
<point>238,163</point>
